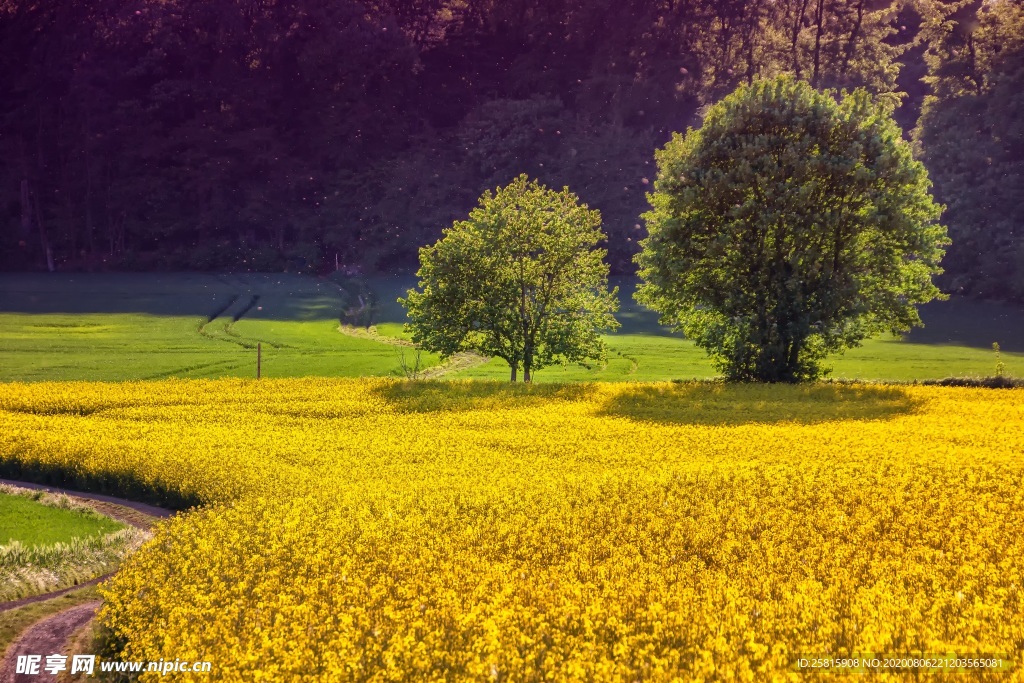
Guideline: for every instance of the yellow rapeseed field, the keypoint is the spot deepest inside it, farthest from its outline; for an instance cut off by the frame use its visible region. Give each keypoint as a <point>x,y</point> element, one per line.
<point>372,530</point>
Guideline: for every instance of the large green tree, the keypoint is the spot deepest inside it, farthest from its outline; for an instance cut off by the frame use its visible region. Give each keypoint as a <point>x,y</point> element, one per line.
<point>522,280</point>
<point>791,225</point>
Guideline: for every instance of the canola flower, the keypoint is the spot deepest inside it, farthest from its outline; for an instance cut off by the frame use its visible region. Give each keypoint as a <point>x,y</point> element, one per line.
<point>373,530</point>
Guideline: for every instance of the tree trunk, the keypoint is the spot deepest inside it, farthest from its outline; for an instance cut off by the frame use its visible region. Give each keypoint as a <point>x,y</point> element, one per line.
<point>819,19</point>
<point>978,80</point>
<point>795,38</point>
<point>26,211</point>
<point>793,362</point>
<point>43,238</point>
<point>851,44</point>
<point>90,226</point>
<point>26,197</point>
<point>515,367</point>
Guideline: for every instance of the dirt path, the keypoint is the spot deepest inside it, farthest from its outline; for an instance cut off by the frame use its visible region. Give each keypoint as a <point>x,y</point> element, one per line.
<point>371,333</point>
<point>460,361</point>
<point>46,637</point>
<point>42,597</point>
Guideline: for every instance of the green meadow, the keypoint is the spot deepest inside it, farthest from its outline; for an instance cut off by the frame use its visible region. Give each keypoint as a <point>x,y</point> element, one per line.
<point>114,327</point>
<point>134,326</point>
<point>31,523</point>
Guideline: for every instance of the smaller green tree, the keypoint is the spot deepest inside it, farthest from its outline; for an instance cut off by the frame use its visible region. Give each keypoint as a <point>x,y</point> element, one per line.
<point>791,225</point>
<point>521,280</point>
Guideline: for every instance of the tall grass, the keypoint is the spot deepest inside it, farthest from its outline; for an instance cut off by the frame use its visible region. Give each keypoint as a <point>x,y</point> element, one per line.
<point>32,570</point>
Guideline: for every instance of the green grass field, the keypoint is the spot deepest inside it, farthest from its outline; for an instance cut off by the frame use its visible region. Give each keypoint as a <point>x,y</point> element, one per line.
<point>128,326</point>
<point>956,341</point>
<point>150,326</point>
<point>34,524</point>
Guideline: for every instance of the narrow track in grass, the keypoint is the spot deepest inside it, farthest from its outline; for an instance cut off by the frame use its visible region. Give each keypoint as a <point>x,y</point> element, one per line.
<point>220,326</point>
<point>460,361</point>
<point>230,364</point>
<point>45,637</point>
<point>234,311</point>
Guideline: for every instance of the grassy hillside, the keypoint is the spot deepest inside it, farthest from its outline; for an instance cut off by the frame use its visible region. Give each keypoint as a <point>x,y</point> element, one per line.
<point>152,326</point>
<point>116,327</point>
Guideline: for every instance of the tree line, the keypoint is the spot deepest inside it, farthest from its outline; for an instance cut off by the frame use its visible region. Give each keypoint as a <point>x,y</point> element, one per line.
<point>315,134</point>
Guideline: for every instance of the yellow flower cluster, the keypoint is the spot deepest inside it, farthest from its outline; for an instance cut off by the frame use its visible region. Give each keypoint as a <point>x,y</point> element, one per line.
<point>372,530</point>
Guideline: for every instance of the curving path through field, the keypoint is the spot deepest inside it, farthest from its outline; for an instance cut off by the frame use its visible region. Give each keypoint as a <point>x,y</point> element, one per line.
<point>460,361</point>
<point>46,637</point>
<point>138,515</point>
<point>51,634</point>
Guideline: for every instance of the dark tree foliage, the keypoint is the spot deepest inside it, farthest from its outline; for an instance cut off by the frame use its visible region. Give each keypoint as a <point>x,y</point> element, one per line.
<point>788,227</point>
<point>188,133</point>
<point>313,133</point>
<point>971,137</point>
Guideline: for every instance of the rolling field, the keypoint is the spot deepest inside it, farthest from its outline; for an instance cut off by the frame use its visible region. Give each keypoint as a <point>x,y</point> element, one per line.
<point>128,327</point>
<point>375,530</point>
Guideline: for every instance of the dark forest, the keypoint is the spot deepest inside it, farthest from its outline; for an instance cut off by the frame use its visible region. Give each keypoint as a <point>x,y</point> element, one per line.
<point>314,135</point>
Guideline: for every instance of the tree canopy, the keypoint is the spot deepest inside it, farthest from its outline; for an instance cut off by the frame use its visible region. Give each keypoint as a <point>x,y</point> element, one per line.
<point>522,279</point>
<point>971,136</point>
<point>790,225</point>
<point>270,135</point>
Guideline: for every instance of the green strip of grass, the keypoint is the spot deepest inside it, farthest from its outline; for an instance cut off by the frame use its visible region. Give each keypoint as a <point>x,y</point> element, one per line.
<point>34,524</point>
<point>117,327</point>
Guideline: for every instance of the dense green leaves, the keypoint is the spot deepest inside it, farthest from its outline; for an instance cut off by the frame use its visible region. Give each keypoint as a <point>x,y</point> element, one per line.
<point>521,280</point>
<point>789,226</point>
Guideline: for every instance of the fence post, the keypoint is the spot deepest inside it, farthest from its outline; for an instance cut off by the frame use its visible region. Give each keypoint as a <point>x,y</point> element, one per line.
<point>259,359</point>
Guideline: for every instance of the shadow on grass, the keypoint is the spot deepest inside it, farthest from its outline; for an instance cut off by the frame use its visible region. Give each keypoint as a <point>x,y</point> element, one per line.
<point>966,322</point>
<point>714,403</point>
<point>260,296</point>
<point>699,402</point>
<point>440,395</point>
